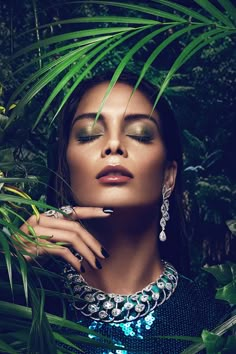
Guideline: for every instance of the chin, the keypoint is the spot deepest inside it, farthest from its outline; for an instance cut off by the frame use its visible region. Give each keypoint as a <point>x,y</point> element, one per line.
<point>115,199</point>
<point>117,203</point>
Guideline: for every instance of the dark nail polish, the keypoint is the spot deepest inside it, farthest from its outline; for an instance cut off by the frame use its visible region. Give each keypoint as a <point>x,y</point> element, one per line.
<point>82,269</point>
<point>107,211</point>
<point>98,264</point>
<point>104,253</point>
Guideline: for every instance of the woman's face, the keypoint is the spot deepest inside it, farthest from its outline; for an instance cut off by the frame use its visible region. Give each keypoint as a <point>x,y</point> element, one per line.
<point>120,161</point>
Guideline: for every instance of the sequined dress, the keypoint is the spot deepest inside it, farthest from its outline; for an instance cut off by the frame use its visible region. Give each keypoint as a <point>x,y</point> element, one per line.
<point>186,312</point>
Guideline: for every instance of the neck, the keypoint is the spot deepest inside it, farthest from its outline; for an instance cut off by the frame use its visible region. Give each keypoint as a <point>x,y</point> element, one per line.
<point>130,237</point>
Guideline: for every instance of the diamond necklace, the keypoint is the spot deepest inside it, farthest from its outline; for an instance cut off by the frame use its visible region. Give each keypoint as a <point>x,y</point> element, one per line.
<point>109,307</point>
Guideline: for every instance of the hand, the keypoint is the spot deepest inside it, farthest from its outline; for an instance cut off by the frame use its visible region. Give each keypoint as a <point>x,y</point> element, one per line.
<point>68,230</point>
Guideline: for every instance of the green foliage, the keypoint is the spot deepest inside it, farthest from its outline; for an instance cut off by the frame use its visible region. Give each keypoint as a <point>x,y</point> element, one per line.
<point>210,29</point>
<point>189,46</point>
<point>19,325</point>
<point>226,278</point>
<point>224,273</point>
<point>232,226</point>
<point>214,343</point>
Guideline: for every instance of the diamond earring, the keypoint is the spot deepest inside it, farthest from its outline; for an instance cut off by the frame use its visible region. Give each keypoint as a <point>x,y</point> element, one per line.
<point>166,192</point>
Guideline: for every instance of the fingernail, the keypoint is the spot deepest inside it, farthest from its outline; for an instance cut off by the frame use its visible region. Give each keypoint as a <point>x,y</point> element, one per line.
<point>107,211</point>
<point>98,264</point>
<point>82,269</point>
<point>104,253</point>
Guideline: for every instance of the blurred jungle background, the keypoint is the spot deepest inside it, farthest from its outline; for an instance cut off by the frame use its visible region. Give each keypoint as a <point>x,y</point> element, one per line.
<point>201,93</point>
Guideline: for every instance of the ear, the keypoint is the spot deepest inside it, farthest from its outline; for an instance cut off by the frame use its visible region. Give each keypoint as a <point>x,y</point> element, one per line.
<point>170,174</point>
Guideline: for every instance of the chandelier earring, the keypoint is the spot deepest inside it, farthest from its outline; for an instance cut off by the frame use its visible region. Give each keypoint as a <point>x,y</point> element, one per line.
<point>166,192</point>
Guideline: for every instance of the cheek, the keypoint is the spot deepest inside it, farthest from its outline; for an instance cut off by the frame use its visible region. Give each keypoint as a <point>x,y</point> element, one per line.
<point>152,174</point>
<point>153,163</point>
<point>75,163</point>
<point>80,164</point>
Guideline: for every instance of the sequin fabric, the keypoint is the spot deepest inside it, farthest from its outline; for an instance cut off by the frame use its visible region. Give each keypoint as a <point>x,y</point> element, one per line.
<point>186,313</point>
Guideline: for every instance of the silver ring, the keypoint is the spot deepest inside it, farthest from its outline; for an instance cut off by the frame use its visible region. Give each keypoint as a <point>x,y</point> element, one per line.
<point>80,258</point>
<point>51,213</point>
<point>67,209</point>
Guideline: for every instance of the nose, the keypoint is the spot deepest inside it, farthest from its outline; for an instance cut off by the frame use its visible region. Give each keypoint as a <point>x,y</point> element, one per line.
<point>114,147</point>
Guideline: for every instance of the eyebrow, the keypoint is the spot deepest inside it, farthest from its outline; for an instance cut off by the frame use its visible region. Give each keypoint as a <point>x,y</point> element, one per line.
<point>129,117</point>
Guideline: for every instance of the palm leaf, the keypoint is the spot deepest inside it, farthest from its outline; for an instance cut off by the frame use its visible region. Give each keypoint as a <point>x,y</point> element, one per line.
<point>159,50</point>
<point>209,7</point>
<point>65,341</point>
<point>124,62</point>
<point>64,48</point>
<point>61,65</point>
<point>90,66</point>
<point>73,71</point>
<point>18,289</point>
<point>7,255</point>
<point>193,47</point>
<point>139,8</point>
<point>70,36</point>
<point>25,313</point>
<point>29,179</point>
<point>126,59</point>
<point>111,33</point>
<point>19,192</point>
<point>40,335</point>
<point>23,272</point>
<point>96,19</point>
<point>6,348</point>
<point>71,56</point>
<point>11,198</point>
<point>229,7</point>
<point>184,10</point>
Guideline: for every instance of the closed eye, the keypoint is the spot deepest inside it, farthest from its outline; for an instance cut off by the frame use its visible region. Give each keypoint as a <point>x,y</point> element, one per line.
<point>88,138</point>
<point>141,138</point>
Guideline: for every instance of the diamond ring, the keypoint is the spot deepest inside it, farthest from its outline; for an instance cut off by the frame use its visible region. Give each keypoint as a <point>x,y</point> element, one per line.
<point>51,213</point>
<point>67,209</point>
<point>80,258</point>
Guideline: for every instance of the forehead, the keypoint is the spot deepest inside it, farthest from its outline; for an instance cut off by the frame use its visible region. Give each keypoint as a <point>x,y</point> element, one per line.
<point>119,100</point>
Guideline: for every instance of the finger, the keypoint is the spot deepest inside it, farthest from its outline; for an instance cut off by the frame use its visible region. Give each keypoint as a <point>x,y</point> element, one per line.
<point>82,213</point>
<point>68,256</point>
<point>78,213</point>
<point>72,239</point>
<point>75,227</point>
<point>90,213</point>
<point>56,251</point>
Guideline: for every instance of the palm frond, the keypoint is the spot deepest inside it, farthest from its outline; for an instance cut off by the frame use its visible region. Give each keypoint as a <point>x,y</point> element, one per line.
<point>96,19</point>
<point>185,10</point>
<point>213,11</point>
<point>229,8</point>
<point>90,66</point>
<point>71,36</point>
<point>87,50</point>
<point>51,53</point>
<point>7,255</point>
<point>21,316</point>
<point>192,48</point>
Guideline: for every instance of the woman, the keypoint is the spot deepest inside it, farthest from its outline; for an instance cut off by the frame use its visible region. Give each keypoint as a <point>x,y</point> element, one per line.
<point>121,174</point>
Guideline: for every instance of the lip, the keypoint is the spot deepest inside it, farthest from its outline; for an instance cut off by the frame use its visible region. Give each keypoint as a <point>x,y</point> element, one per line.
<point>114,174</point>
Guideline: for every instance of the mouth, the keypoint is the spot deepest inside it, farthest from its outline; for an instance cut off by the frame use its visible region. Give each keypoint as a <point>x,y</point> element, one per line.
<point>114,175</point>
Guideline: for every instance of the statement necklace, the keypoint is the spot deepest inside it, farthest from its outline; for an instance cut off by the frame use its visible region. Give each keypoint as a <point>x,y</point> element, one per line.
<point>109,307</point>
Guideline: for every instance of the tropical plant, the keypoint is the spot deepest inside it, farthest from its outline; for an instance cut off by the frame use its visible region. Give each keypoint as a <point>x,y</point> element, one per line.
<point>76,53</point>
<point>52,67</point>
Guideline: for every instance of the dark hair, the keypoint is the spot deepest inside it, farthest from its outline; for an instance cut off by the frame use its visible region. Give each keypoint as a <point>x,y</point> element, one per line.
<point>174,248</point>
